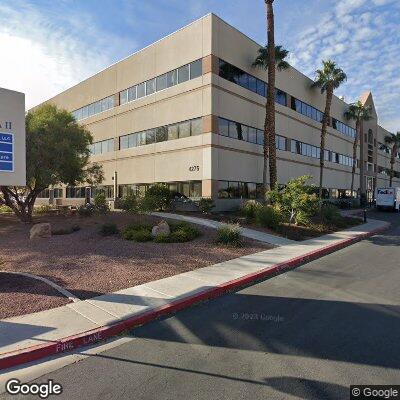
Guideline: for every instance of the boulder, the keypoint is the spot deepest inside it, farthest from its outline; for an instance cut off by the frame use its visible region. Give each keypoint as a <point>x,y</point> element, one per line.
<point>161,229</point>
<point>42,230</point>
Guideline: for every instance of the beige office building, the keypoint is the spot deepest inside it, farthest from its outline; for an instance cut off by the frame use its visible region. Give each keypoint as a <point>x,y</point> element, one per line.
<point>188,110</point>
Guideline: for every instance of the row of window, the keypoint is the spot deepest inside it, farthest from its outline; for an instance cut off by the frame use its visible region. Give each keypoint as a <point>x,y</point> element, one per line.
<point>171,78</point>
<point>241,78</point>
<point>191,189</point>
<point>94,108</point>
<point>236,130</point>
<point>239,190</point>
<point>102,147</point>
<point>250,82</point>
<point>167,132</point>
<point>386,171</point>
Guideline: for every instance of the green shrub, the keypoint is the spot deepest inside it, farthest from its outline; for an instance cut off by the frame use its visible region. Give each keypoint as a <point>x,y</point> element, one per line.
<point>206,205</point>
<point>296,200</point>
<point>139,227</point>
<point>330,214</point>
<point>128,203</point>
<point>86,210</point>
<point>229,234</point>
<point>5,209</point>
<point>156,198</point>
<point>138,233</point>
<point>100,203</point>
<point>180,232</point>
<point>141,236</point>
<point>43,209</point>
<point>268,217</point>
<point>250,208</point>
<point>109,229</point>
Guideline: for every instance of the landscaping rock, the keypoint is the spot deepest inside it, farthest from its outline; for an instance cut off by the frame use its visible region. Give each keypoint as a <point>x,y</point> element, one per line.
<point>42,230</point>
<point>161,229</point>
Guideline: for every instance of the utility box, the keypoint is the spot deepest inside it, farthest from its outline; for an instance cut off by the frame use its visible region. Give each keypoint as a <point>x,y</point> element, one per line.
<point>12,138</point>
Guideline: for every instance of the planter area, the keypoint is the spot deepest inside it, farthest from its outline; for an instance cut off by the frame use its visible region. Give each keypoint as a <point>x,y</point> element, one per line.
<point>88,263</point>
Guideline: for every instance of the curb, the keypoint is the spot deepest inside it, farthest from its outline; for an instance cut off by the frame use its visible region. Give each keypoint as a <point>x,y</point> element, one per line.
<point>69,343</point>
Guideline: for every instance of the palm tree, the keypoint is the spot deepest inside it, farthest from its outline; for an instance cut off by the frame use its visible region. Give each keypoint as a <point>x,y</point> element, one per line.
<point>394,141</point>
<point>329,78</point>
<point>269,58</point>
<point>359,113</point>
<point>262,61</point>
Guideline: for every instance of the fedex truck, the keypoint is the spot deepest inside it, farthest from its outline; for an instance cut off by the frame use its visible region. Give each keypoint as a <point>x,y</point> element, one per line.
<point>388,198</point>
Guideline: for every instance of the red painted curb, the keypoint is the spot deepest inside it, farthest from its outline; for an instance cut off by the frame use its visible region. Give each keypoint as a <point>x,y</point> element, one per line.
<point>12,359</point>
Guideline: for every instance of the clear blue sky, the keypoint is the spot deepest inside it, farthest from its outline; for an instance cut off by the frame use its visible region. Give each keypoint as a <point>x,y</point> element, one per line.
<point>52,45</point>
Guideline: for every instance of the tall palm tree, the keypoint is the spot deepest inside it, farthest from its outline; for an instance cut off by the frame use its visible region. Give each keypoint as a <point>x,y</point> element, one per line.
<point>394,141</point>
<point>359,113</point>
<point>329,78</point>
<point>262,61</point>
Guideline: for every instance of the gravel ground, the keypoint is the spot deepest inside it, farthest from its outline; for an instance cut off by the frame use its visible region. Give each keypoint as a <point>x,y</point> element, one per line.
<point>89,265</point>
<point>21,295</point>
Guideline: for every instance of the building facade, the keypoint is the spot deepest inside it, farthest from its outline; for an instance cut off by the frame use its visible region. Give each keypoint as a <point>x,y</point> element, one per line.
<point>12,138</point>
<point>189,111</point>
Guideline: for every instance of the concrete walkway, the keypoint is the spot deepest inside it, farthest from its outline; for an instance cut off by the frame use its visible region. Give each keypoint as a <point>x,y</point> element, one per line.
<point>52,325</point>
<point>249,233</point>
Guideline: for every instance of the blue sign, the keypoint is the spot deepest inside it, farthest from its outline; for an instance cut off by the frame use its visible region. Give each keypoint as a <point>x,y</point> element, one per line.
<point>6,137</point>
<point>6,166</point>
<point>6,152</point>
<point>6,156</point>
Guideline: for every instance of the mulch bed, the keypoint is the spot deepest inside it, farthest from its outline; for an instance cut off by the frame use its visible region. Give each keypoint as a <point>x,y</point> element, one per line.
<point>88,264</point>
<point>293,232</point>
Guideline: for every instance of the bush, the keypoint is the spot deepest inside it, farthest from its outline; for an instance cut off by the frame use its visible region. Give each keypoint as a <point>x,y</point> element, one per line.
<point>109,229</point>
<point>330,214</point>
<point>86,210</point>
<point>268,217</point>
<point>43,209</point>
<point>250,208</point>
<point>296,200</point>
<point>157,198</point>
<point>100,203</point>
<point>206,205</point>
<point>229,234</point>
<point>180,232</point>
<point>138,233</point>
<point>128,203</point>
<point>5,209</point>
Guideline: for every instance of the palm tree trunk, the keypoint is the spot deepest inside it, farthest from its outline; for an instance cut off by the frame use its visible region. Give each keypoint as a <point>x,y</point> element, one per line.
<point>392,162</point>
<point>325,120</point>
<point>353,169</point>
<point>270,107</point>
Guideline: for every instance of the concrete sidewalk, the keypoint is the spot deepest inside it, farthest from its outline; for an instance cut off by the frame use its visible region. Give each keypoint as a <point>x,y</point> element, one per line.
<point>249,233</point>
<point>84,322</point>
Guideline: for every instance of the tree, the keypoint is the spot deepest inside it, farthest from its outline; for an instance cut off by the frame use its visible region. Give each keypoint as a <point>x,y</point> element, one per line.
<point>296,200</point>
<point>262,61</point>
<point>394,141</point>
<point>329,78</point>
<point>57,152</point>
<point>359,113</point>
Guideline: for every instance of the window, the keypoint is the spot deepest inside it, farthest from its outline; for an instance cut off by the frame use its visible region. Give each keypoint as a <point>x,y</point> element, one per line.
<point>280,97</point>
<point>172,78</point>
<point>261,88</point>
<point>161,82</point>
<point>75,192</point>
<point>150,136</point>
<point>102,147</point>
<point>196,69</point>
<point>141,90</point>
<point>132,93</point>
<point>236,190</point>
<point>173,132</point>
<point>280,143</point>
<point>150,87</point>
<point>123,97</point>
<point>57,193</point>
<point>223,127</point>
<point>234,127</point>
<point>183,73</point>
<point>252,135</point>
<point>197,126</point>
<point>162,134</point>
<point>184,129</point>
<point>260,137</point>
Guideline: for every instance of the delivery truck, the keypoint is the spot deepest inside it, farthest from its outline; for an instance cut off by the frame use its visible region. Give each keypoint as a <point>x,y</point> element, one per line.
<point>388,198</point>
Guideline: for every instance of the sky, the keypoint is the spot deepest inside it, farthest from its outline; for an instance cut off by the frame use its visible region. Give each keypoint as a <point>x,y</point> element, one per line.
<point>47,46</point>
